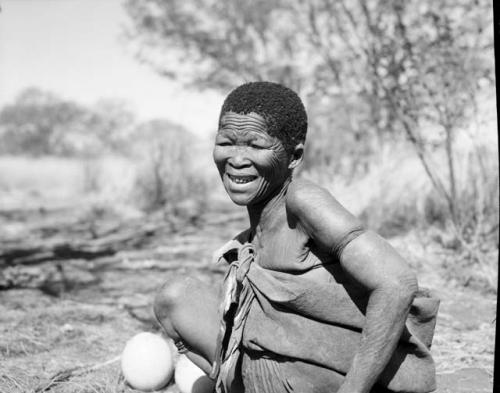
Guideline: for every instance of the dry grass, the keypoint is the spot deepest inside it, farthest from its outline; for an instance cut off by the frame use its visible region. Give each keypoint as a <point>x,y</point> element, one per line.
<point>43,336</point>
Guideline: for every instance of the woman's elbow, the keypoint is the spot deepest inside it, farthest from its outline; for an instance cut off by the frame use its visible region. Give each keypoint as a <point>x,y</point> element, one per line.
<point>405,288</point>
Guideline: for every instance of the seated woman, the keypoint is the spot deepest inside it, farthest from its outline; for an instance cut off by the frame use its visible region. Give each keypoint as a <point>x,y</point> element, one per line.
<point>312,301</point>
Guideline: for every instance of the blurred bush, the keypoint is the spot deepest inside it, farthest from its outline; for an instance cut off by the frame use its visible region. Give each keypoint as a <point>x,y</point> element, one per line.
<point>166,175</point>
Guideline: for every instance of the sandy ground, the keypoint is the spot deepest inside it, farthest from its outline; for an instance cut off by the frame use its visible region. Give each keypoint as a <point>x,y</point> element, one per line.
<point>51,329</point>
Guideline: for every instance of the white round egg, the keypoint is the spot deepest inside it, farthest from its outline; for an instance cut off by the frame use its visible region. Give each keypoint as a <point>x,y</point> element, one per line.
<point>147,362</point>
<point>189,378</point>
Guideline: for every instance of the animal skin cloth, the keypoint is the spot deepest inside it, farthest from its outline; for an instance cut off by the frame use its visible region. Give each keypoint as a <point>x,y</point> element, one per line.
<point>285,333</point>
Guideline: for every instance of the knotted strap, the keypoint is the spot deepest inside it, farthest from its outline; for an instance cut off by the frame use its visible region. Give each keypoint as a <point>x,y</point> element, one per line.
<point>238,297</point>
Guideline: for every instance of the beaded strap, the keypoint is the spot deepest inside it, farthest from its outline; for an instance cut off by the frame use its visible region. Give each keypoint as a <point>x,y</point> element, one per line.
<point>181,347</point>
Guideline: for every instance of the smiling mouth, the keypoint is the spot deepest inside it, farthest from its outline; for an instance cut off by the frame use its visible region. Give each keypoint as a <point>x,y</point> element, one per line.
<point>241,179</point>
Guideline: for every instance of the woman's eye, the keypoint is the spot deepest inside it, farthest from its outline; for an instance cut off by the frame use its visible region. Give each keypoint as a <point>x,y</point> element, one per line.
<point>258,146</point>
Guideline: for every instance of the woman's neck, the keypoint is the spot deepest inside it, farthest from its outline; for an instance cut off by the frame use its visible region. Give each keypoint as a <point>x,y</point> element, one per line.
<point>263,215</point>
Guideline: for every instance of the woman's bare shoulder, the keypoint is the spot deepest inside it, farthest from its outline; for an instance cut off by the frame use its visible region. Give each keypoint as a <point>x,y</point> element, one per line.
<point>319,213</point>
<point>305,194</point>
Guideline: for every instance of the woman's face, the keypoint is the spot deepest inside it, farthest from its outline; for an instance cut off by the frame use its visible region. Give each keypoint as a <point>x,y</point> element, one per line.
<point>253,165</point>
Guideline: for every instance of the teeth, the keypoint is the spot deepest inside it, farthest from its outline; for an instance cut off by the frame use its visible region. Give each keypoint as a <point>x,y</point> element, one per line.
<point>241,180</point>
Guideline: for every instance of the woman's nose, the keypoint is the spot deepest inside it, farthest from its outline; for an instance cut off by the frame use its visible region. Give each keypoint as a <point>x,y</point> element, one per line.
<point>238,159</point>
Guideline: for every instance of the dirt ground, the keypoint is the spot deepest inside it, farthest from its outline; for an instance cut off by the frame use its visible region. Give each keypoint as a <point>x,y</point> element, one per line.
<point>64,323</point>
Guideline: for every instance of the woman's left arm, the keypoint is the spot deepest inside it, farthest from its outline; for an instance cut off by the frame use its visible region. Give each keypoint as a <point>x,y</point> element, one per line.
<point>372,265</point>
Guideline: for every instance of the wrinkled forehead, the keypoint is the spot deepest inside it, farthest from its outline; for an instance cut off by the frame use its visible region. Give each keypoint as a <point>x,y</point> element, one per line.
<point>247,123</point>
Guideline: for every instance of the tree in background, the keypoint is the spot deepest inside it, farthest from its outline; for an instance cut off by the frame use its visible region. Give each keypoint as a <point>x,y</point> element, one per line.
<point>112,122</point>
<point>31,124</point>
<point>369,71</point>
<point>167,177</point>
<point>223,42</point>
<point>39,122</point>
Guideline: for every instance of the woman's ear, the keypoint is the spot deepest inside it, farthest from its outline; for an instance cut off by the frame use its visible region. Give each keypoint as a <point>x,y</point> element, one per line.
<point>296,156</point>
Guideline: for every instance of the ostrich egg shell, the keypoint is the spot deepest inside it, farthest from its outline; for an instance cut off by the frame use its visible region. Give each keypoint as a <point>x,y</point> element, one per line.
<point>189,378</point>
<point>147,362</point>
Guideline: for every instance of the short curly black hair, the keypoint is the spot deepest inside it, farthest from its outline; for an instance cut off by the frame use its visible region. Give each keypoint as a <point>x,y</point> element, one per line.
<point>280,107</point>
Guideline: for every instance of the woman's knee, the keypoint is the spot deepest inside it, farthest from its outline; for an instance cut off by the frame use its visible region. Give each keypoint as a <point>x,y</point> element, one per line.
<point>171,296</point>
<point>187,309</point>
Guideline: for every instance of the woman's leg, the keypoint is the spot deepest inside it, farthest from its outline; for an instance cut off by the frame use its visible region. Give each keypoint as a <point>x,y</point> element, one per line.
<point>187,309</point>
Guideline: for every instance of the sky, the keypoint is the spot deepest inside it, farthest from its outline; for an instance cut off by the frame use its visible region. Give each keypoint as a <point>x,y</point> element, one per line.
<point>73,48</point>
